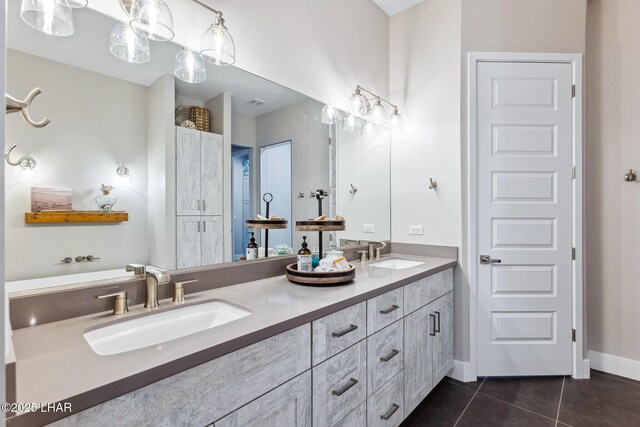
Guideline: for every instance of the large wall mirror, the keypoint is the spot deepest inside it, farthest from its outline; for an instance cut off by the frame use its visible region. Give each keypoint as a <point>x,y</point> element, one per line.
<point>186,192</point>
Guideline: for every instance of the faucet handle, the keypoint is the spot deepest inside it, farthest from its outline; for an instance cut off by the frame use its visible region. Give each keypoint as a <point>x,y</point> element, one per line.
<point>138,269</point>
<point>363,255</point>
<point>120,303</point>
<point>178,290</point>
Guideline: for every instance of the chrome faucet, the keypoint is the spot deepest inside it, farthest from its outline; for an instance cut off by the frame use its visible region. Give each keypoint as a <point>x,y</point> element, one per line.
<point>374,252</point>
<point>155,277</point>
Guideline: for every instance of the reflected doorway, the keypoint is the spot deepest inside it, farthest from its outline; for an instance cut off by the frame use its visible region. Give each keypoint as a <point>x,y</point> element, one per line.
<point>241,176</point>
<point>275,178</point>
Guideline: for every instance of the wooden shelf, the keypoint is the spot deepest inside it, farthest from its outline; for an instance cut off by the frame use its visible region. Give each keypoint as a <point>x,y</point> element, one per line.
<point>51,217</point>
<point>321,225</point>
<point>266,224</point>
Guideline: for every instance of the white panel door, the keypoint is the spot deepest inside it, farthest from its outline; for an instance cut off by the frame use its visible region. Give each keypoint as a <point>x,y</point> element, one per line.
<point>211,179</point>
<point>524,218</point>
<point>212,239</point>
<point>187,171</point>
<point>188,242</point>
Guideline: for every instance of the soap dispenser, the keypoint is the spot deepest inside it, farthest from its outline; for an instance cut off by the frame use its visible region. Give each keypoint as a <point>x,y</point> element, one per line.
<point>304,257</point>
<point>252,248</point>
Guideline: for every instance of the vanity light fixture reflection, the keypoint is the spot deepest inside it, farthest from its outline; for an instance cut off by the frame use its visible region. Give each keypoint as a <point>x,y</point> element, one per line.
<point>190,67</point>
<point>78,4</point>
<point>129,46</point>
<point>27,165</point>
<point>52,17</point>
<point>152,19</point>
<point>369,130</point>
<point>396,122</point>
<point>329,115</point>
<point>358,104</point>
<point>217,46</point>
<point>378,113</point>
<point>349,123</point>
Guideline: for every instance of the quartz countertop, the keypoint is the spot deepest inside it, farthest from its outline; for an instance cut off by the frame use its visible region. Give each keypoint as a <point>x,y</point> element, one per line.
<point>54,362</point>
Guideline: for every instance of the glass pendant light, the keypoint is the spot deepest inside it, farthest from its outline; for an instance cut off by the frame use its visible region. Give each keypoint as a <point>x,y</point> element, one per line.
<point>369,130</point>
<point>189,67</point>
<point>329,115</point>
<point>349,123</point>
<point>52,17</point>
<point>78,4</point>
<point>152,18</point>
<point>378,113</point>
<point>129,46</point>
<point>358,104</point>
<point>217,45</point>
<point>396,122</point>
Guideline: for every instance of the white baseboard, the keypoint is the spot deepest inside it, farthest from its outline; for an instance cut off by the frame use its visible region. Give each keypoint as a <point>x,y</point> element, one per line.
<point>615,365</point>
<point>462,371</point>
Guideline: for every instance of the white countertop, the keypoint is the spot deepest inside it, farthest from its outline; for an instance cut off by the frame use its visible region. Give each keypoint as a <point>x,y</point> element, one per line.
<point>54,362</point>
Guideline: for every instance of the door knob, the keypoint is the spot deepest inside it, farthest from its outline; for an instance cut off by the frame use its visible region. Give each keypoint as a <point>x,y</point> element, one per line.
<point>486,259</point>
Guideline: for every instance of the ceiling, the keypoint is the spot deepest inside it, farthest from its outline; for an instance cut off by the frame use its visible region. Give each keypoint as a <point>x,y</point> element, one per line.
<point>88,49</point>
<point>391,7</point>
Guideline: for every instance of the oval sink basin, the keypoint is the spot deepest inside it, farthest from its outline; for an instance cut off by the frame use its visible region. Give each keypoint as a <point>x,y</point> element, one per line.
<point>397,263</point>
<point>157,328</point>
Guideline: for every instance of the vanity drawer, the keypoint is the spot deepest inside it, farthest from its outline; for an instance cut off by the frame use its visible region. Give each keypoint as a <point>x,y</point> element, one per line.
<point>385,352</point>
<point>386,408</point>
<point>339,385</point>
<point>383,310</point>
<point>337,331</point>
<point>357,418</point>
<point>423,291</point>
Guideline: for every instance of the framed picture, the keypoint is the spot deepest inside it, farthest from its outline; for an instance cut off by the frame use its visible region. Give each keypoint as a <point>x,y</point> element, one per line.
<point>51,199</point>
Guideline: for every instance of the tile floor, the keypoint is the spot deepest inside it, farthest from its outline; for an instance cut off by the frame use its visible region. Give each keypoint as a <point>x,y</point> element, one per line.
<point>603,400</point>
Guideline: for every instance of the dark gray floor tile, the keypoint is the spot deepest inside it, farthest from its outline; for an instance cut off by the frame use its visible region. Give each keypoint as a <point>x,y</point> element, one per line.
<point>474,385</point>
<point>617,377</point>
<point>487,412</point>
<point>600,401</point>
<point>538,394</point>
<point>442,407</point>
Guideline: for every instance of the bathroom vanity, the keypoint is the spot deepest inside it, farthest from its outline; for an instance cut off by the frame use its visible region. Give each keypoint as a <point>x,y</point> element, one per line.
<point>363,354</point>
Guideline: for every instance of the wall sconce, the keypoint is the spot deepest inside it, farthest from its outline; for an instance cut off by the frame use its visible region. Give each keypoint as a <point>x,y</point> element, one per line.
<point>124,176</point>
<point>361,106</point>
<point>27,164</point>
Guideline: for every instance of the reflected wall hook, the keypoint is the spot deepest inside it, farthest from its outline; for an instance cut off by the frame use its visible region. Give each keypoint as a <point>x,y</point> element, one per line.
<point>432,184</point>
<point>353,190</point>
<point>25,162</point>
<point>14,106</point>
<point>630,176</point>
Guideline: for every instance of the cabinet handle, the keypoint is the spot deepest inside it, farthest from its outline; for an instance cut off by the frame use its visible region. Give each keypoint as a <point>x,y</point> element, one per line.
<point>344,388</point>
<point>204,205</point>
<point>204,228</point>
<point>198,204</point>
<point>390,412</point>
<point>343,332</point>
<point>390,309</point>
<point>433,324</point>
<point>199,231</point>
<point>437,328</point>
<point>390,356</point>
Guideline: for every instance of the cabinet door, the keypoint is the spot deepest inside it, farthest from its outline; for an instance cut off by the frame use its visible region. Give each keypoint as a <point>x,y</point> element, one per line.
<point>443,340</point>
<point>212,240</point>
<point>418,367</point>
<point>286,406</point>
<point>211,178</point>
<point>187,172</point>
<point>188,242</point>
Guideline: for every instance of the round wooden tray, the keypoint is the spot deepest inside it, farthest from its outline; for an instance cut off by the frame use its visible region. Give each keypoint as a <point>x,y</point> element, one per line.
<point>323,225</point>
<point>267,224</point>
<point>320,278</point>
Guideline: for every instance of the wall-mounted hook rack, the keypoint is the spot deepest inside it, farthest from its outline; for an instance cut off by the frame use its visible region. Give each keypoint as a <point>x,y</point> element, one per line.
<point>353,190</point>
<point>433,184</point>
<point>16,106</point>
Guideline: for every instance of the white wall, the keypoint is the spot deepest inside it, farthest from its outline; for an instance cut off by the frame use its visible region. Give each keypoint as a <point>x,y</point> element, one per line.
<point>80,149</point>
<point>320,48</point>
<point>612,226</point>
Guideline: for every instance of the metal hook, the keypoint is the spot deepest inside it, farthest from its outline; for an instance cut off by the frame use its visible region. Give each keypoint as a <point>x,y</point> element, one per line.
<point>13,106</point>
<point>630,176</point>
<point>353,190</point>
<point>432,184</point>
<point>25,161</point>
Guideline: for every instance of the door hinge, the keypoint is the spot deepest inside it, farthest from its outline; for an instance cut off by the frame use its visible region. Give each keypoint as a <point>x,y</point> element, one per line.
<point>573,335</point>
<point>573,172</point>
<point>573,253</point>
<point>573,91</point>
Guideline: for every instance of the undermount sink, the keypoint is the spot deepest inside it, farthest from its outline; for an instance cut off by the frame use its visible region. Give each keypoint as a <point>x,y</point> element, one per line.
<point>397,263</point>
<point>161,327</point>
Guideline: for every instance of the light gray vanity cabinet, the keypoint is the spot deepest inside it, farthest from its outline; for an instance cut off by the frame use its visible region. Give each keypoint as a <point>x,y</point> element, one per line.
<point>384,355</point>
<point>384,309</point>
<point>286,406</point>
<point>386,407</point>
<point>443,339</point>
<point>339,385</point>
<point>418,364</point>
<point>430,288</point>
<point>212,240</point>
<point>188,242</point>
<point>357,418</point>
<point>337,331</point>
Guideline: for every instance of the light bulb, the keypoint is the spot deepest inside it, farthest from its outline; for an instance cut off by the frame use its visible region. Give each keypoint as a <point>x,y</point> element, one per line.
<point>358,104</point>
<point>378,113</point>
<point>396,122</point>
<point>369,130</point>
<point>329,115</point>
<point>152,19</point>
<point>349,123</point>
<point>217,46</point>
<point>189,67</point>
<point>129,46</point>
<point>52,17</point>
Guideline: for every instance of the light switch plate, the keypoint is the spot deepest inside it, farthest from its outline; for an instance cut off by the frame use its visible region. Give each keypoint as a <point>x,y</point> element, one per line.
<point>368,228</point>
<point>415,230</point>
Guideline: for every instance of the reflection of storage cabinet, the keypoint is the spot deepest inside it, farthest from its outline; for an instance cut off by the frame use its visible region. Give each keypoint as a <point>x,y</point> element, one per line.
<point>199,198</point>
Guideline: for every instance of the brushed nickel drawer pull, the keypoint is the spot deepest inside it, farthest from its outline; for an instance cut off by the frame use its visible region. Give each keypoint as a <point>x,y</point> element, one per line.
<point>390,309</point>
<point>437,329</point>
<point>390,356</point>
<point>343,332</point>
<point>390,412</point>
<point>344,388</point>
<point>433,324</point>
